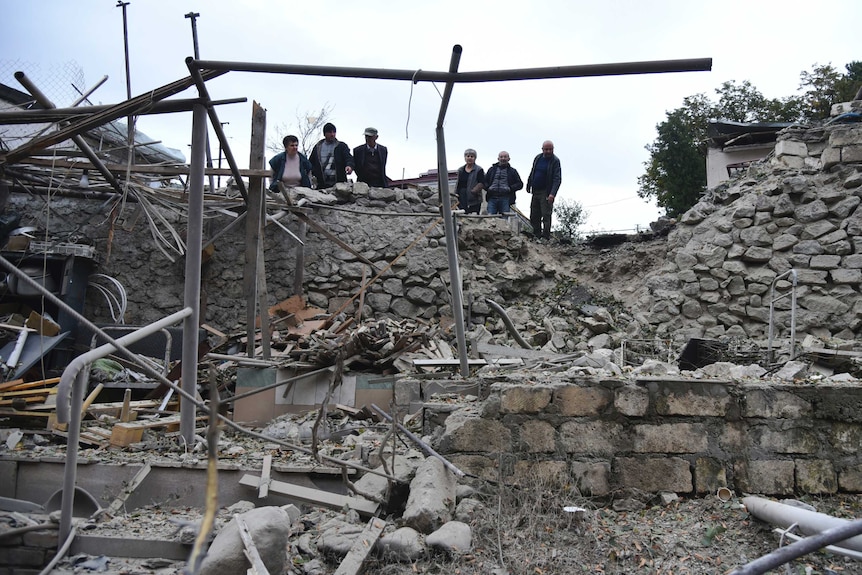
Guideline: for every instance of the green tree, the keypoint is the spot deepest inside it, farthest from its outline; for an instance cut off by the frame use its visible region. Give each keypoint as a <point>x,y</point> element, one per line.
<point>675,174</point>
<point>570,217</point>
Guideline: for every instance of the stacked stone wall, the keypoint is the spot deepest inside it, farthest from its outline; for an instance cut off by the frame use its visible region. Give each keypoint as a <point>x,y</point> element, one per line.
<point>685,436</point>
<point>731,255</point>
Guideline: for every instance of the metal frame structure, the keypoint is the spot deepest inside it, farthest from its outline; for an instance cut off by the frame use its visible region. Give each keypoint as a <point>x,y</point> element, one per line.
<point>214,67</point>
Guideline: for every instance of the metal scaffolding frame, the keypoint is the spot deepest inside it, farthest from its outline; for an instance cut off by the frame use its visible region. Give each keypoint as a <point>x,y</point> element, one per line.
<point>199,68</point>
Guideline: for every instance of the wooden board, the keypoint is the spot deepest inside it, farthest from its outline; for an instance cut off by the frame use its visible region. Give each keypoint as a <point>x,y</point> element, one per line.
<point>314,496</point>
<point>123,434</point>
<point>352,563</point>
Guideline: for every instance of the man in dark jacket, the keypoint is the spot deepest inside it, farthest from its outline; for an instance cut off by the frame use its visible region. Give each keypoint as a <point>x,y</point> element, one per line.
<point>331,161</point>
<point>501,183</point>
<point>544,183</point>
<point>371,161</point>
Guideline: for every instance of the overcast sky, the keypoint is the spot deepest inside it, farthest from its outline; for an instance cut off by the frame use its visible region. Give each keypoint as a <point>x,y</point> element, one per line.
<point>599,125</point>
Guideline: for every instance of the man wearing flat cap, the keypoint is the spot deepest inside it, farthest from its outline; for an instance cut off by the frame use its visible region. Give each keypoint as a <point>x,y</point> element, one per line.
<point>331,161</point>
<point>371,161</point>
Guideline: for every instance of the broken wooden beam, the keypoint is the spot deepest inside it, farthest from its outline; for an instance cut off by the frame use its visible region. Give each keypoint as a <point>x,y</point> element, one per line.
<point>265,476</point>
<point>314,496</point>
<point>250,549</point>
<point>352,563</point>
<point>120,500</point>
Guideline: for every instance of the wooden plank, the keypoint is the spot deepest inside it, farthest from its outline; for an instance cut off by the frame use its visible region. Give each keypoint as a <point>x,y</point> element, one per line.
<point>26,392</point>
<point>120,500</point>
<point>127,408</point>
<point>352,563</point>
<point>250,550</point>
<point>11,384</point>
<point>18,384</point>
<point>265,476</point>
<point>123,434</point>
<point>22,401</point>
<point>314,496</point>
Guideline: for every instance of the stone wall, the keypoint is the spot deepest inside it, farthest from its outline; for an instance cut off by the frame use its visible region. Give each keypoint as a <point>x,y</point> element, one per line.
<point>386,226</point>
<point>798,210</point>
<point>27,553</point>
<point>663,434</point>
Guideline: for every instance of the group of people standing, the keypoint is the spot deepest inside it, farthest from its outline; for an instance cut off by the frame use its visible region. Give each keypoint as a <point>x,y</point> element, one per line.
<point>502,181</point>
<point>330,162</point>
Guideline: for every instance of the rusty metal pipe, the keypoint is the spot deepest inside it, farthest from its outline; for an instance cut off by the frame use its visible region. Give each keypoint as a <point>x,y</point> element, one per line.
<point>613,69</point>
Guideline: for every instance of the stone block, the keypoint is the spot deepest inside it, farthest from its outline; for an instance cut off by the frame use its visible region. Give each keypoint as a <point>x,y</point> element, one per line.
<point>475,434</point>
<point>591,438</point>
<point>709,475</point>
<point>576,400</point>
<point>774,404</point>
<point>406,391</point>
<point>850,479</point>
<point>790,147</point>
<point>631,400</point>
<point>537,437</point>
<point>670,438</point>
<point>46,539</point>
<point>769,477</point>
<point>591,478</point>
<point>482,467</point>
<point>851,154</point>
<point>22,557</point>
<point>789,440</point>
<point>524,399</point>
<point>825,262</point>
<point>665,474</point>
<point>841,276</point>
<point>693,398</point>
<point>846,437</point>
<point>551,474</point>
<point>816,476</point>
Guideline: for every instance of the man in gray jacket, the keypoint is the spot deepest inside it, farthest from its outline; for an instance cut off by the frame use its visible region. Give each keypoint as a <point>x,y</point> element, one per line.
<point>544,183</point>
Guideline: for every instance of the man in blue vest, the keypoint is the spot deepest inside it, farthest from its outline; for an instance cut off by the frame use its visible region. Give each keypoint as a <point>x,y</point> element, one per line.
<point>544,183</point>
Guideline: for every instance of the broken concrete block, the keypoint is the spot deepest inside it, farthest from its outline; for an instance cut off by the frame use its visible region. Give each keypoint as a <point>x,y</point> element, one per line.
<point>269,527</point>
<point>404,544</point>
<point>453,538</point>
<point>432,497</point>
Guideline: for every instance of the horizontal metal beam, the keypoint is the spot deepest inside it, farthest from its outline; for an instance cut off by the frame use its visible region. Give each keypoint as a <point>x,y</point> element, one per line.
<point>71,114</point>
<point>614,69</point>
<point>120,110</point>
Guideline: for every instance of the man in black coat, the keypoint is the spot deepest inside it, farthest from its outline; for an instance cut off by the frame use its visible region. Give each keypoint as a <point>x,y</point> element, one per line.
<point>331,161</point>
<point>371,161</point>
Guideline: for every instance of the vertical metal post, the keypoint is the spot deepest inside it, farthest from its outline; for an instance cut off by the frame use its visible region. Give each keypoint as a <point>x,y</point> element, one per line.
<point>192,294</point>
<point>193,16</point>
<point>130,119</point>
<point>448,220</point>
<point>223,124</point>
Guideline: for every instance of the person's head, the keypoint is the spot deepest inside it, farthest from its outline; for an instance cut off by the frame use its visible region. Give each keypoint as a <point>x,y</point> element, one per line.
<point>470,156</point>
<point>503,158</point>
<point>547,148</point>
<point>291,145</point>
<point>329,131</point>
<point>371,136</point>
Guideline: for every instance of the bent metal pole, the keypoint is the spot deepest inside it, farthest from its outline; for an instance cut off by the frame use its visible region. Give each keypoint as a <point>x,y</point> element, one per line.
<point>448,222</point>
